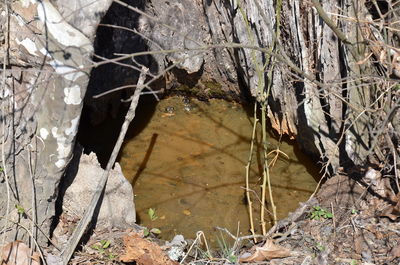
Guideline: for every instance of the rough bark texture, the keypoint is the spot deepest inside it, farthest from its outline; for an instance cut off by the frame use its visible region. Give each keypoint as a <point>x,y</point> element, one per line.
<point>45,82</point>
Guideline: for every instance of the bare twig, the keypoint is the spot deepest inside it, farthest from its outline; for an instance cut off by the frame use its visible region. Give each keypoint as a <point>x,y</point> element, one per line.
<point>249,202</point>
<point>329,22</point>
<point>238,239</point>
<point>199,234</point>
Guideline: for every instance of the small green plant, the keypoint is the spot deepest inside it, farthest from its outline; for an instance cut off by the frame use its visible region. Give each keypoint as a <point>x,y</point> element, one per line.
<point>20,209</point>
<point>318,212</point>
<point>320,247</point>
<point>112,256</point>
<point>101,246</point>
<point>152,214</point>
<point>153,231</point>
<point>226,251</point>
<point>354,211</point>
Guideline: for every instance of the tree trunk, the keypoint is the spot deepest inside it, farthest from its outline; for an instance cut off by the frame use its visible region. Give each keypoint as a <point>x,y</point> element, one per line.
<point>46,65</point>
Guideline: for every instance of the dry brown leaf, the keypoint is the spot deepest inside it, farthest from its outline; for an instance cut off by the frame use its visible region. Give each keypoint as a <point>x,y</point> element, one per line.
<point>18,253</point>
<point>267,252</point>
<point>143,252</point>
<point>358,243</point>
<point>281,126</point>
<point>392,212</point>
<point>395,252</point>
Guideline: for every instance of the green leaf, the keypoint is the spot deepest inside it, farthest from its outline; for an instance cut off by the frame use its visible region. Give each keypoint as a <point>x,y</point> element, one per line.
<point>20,209</point>
<point>146,232</point>
<point>96,247</point>
<point>152,214</point>
<point>106,244</point>
<point>329,215</point>
<point>320,247</point>
<point>232,259</point>
<point>155,231</point>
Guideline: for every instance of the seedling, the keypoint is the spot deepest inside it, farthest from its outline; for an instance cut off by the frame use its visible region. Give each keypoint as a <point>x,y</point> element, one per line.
<point>102,245</point>
<point>152,214</point>
<point>320,247</point>
<point>103,248</point>
<point>227,252</point>
<point>20,209</point>
<point>153,231</point>
<point>319,212</point>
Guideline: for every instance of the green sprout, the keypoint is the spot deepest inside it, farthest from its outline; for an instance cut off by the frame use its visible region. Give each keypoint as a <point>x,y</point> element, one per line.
<point>102,245</point>
<point>20,209</point>
<point>318,212</point>
<point>152,214</point>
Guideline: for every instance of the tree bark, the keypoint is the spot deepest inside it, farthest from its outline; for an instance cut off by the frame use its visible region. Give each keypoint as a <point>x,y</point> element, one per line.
<point>47,62</point>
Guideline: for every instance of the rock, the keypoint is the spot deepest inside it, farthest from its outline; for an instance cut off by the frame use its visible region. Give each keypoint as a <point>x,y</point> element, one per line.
<point>186,26</point>
<point>176,248</point>
<point>117,209</point>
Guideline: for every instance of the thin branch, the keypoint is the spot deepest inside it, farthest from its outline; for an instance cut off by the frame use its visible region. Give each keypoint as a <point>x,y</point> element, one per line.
<point>329,22</point>
<point>249,201</point>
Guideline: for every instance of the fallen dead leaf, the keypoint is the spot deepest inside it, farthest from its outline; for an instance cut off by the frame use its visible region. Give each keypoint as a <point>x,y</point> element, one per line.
<point>392,212</point>
<point>358,243</point>
<point>267,252</point>
<point>395,252</point>
<point>18,253</point>
<point>143,252</point>
<point>282,125</point>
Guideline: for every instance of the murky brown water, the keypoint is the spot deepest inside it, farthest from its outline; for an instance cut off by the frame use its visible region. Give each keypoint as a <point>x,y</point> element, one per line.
<point>190,167</point>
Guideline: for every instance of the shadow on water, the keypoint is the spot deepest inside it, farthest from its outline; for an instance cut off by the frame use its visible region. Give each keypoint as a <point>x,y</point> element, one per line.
<point>101,138</point>
<point>145,159</point>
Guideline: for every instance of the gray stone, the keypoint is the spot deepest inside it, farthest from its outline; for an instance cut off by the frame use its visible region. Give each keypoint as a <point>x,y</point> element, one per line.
<point>176,248</point>
<point>117,207</point>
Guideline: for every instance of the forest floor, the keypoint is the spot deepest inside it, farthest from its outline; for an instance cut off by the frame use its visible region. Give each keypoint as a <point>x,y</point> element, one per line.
<point>351,220</point>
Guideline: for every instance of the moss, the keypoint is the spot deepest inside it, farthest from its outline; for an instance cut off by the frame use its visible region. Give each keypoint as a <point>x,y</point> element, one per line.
<point>204,91</point>
<point>188,90</point>
<point>212,85</point>
<point>214,89</point>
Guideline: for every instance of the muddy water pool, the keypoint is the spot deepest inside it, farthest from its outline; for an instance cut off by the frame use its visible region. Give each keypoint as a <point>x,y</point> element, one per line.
<point>188,164</point>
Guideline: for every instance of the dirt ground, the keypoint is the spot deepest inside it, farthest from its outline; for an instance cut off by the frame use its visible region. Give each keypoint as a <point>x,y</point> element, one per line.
<point>351,220</point>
